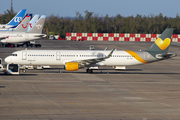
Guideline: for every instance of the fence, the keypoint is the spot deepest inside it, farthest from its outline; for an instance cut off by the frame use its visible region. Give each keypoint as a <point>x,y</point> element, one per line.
<point>117,37</point>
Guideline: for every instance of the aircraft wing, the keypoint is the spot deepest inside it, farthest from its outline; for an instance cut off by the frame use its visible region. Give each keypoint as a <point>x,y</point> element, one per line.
<point>88,62</point>
<point>1,38</point>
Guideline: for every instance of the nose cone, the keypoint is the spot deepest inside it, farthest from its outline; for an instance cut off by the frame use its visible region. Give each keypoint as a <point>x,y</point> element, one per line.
<point>7,60</point>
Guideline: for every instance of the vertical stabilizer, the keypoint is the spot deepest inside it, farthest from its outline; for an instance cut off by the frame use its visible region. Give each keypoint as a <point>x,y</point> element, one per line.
<point>17,19</point>
<point>23,26</point>
<point>38,26</point>
<point>161,45</point>
<point>32,22</point>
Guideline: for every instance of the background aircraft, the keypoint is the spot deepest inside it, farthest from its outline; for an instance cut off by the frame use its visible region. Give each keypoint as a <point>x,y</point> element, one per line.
<point>32,22</point>
<point>15,21</point>
<point>32,34</point>
<point>21,27</point>
<point>75,59</point>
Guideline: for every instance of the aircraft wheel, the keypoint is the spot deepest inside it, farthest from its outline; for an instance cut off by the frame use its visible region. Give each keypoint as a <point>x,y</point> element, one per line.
<point>89,71</point>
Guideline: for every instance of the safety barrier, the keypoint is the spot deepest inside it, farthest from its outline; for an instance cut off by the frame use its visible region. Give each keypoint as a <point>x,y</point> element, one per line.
<point>117,37</point>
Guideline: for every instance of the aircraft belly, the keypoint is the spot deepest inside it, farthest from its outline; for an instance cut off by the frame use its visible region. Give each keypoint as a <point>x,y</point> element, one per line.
<point>14,39</point>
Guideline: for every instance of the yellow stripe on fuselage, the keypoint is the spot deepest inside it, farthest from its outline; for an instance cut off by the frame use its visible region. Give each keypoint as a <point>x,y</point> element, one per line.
<point>136,56</point>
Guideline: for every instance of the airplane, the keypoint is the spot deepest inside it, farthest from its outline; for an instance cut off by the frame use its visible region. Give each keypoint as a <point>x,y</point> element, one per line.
<point>16,37</point>
<point>32,22</point>
<point>25,26</point>
<point>21,27</point>
<point>15,21</point>
<point>75,59</point>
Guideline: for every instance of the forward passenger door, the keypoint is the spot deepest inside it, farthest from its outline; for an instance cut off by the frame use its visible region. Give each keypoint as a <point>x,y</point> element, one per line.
<point>24,55</point>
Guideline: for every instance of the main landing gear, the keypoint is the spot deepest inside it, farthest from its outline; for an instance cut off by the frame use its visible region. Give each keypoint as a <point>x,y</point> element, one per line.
<point>89,70</point>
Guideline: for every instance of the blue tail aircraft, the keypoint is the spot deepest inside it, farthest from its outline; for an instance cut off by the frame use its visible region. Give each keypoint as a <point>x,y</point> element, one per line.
<point>15,21</point>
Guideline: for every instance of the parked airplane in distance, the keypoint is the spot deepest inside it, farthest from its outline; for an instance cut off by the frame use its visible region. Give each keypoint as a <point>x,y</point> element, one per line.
<point>32,34</point>
<point>21,27</point>
<point>75,59</point>
<point>32,22</point>
<point>15,21</point>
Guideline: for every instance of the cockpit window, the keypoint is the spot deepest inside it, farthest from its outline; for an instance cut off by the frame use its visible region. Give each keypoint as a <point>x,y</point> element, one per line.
<point>13,54</point>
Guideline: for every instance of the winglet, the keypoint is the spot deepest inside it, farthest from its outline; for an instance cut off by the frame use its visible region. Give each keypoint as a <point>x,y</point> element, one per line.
<point>110,54</point>
<point>106,48</point>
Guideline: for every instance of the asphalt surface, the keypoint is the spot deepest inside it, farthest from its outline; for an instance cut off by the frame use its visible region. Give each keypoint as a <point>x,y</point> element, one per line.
<point>144,92</point>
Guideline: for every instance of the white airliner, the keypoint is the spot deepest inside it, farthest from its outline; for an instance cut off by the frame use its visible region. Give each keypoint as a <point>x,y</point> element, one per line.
<point>32,34</point>
<point>75,59</point>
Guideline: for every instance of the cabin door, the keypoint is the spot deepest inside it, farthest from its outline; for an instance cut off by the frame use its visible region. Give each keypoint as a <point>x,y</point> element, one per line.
<point>58,55</point>
<point>24,55</point>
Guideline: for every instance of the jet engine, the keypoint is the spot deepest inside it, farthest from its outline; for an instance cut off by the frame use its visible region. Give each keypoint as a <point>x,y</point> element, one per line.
<point>72,66</point>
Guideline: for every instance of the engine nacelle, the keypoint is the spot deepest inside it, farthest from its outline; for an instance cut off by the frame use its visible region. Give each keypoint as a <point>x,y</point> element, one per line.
<point>71,66</point>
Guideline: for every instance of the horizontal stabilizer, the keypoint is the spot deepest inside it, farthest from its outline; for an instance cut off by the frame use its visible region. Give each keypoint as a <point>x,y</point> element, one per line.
<point>166,56</point>
<point>39,35</point>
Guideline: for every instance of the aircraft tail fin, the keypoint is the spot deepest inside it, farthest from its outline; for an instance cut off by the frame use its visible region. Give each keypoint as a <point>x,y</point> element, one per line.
<point>38,26</point>
<point>161,45</point>
<point>23,26</point>
<point>32,22</point>
<point>17,19</point>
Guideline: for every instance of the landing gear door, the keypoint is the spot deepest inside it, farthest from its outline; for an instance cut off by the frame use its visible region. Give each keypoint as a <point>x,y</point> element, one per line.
<point>24,55</point>
<point>58,55</point>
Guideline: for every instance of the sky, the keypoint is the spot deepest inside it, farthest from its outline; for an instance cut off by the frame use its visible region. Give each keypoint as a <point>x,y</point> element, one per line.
<point>68,8</point>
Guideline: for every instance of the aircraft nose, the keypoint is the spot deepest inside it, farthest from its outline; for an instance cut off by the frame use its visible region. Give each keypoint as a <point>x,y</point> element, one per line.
<point>7,60</point>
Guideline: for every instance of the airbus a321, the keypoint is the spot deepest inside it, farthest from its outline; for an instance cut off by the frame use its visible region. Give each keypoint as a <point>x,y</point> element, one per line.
<point>75,59</point>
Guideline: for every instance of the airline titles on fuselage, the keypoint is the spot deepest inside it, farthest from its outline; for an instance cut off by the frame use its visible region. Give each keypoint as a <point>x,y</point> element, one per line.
<point>18,35</point>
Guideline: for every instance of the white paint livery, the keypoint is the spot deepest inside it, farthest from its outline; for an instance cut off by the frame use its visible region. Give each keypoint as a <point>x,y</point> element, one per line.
<point>60,57</point>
